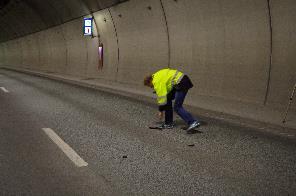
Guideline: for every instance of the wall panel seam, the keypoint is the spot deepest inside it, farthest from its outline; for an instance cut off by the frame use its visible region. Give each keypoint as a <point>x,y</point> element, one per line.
<point>270,52</point>
<point>117,41</point>
<point>168,34</point>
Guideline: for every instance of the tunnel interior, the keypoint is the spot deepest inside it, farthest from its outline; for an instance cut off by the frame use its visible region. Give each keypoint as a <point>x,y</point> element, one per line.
<point>240,54</point>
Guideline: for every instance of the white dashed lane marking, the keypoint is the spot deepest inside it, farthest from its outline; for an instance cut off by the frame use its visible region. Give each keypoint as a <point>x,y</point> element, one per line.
<point>4,89</point>
<point>71,154</point>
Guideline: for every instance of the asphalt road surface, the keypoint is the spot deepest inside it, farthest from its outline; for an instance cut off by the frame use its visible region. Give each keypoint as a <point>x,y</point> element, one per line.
<point>119,154</point>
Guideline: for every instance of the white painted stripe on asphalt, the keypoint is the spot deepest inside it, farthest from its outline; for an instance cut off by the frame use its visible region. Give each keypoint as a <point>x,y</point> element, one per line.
<point>71,154</point>
<point>4,89</point>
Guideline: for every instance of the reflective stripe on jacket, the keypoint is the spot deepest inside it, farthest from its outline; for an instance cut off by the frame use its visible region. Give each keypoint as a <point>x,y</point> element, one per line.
<point>163,82</point>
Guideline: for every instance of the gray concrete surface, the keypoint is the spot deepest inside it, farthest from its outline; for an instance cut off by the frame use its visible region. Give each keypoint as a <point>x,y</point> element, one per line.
<point>104,127</point>
<point>239,54</point>
<point>284,42</point>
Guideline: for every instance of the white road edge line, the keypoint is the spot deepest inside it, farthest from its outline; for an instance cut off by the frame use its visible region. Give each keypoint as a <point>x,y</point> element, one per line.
<point>4,89</point>
<point>71,154</point>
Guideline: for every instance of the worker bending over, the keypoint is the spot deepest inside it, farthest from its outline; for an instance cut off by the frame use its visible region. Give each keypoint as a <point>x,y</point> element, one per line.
<point>170,84</point>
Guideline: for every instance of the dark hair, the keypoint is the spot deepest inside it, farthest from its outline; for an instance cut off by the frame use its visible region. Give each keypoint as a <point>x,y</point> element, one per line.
<point>148,80</point>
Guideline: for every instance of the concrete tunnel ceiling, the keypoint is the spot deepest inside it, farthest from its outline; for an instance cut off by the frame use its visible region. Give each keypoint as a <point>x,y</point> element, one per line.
<point>22,17</point>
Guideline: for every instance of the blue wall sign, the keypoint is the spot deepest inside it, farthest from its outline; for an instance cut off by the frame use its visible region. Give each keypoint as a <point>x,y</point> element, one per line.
<point>87,26</point>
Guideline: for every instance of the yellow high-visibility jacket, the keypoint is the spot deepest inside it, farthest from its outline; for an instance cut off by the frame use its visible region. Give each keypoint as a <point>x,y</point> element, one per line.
<point>163,82</point>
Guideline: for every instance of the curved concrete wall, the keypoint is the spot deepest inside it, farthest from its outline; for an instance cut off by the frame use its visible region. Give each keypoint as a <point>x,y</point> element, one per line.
<point>143,45</point>
<point>283,69</point>
<point>106,34</point>
<point>224,46</point>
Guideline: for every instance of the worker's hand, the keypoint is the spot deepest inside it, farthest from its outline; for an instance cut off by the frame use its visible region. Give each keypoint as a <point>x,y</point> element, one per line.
<point>160,115</point>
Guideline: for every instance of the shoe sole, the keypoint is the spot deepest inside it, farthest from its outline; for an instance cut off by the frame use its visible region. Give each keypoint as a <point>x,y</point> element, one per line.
<point>194,131</point>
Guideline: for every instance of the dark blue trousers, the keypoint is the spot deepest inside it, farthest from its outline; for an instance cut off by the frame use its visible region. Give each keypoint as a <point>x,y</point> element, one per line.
<point>179,97</point>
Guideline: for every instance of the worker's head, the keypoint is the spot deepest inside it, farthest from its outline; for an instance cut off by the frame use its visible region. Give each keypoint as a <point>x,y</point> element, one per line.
<point>148,81</point>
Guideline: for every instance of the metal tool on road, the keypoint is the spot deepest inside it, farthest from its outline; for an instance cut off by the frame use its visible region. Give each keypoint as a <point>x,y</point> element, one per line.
<point>289,104</point>
<point>155,127</point>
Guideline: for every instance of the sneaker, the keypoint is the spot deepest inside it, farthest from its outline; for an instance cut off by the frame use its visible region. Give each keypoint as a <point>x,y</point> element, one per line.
<point>193,125</point>
<point>166,126</point>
